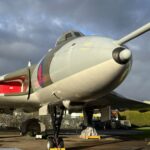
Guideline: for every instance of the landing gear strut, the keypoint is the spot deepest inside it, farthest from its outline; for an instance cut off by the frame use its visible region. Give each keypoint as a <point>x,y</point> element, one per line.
<point>56,116</point>
<point>88,130</point>
<point>88,115</point>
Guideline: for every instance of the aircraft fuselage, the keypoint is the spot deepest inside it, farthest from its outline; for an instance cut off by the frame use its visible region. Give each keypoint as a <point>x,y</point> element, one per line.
<point>80,69</point>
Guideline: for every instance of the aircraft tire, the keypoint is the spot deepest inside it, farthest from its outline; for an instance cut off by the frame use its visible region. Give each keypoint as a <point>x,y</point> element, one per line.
<point>61,143</point>
<point>50,143</point>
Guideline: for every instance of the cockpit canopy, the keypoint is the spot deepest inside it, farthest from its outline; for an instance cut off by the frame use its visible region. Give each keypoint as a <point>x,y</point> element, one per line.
<point>68,36</point>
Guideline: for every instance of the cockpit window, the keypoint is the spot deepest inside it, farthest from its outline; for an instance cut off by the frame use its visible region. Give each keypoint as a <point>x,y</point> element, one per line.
<point>77,34</point>
<point>66,37</point>
<point>69,35</point>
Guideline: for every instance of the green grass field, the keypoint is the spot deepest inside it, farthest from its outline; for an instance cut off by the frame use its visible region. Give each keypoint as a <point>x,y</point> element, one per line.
<point>142,136</point>
<point>137,118</point>
<point>141,120</point>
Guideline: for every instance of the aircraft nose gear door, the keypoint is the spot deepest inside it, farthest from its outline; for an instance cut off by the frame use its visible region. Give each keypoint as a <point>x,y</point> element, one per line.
<point>56,113</point>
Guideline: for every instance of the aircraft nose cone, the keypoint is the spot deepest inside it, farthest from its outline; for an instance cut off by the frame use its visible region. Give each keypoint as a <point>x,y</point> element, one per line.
<point>122,55</point>
<point>125,55</point>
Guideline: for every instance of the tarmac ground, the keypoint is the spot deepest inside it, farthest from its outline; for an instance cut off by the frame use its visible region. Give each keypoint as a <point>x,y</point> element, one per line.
<point>111,140</point>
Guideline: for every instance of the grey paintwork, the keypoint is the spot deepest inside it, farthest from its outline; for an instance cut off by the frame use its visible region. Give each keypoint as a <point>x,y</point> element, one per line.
<point>80,54</point>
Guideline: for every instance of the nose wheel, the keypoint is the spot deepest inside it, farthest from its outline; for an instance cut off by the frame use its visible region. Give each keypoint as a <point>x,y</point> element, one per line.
<point>56,115</point>
<point>55,143</point>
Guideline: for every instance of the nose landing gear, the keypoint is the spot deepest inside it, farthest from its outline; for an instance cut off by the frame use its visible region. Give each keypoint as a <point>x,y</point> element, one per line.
<point>55,143</point>
<point>56,115</point>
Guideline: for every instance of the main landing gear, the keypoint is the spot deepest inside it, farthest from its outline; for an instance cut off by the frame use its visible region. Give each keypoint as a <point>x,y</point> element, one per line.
<point>56,116</point>
<point>88,130</point>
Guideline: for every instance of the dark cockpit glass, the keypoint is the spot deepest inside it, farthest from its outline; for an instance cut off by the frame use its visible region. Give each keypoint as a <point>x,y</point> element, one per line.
<point>68,35</point>
<point>77,34</point>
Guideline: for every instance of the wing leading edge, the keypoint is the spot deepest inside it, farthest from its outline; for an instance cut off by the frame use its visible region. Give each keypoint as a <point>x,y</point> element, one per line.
<point>117,101</point>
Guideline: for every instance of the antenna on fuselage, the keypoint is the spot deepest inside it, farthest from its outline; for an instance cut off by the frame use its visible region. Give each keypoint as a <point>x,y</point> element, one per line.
<point>133,34</point>
<point>29,63</point>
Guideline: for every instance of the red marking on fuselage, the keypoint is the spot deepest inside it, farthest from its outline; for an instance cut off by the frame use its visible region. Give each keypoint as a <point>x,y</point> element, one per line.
<point>15,85</point>
<point>10,87</point>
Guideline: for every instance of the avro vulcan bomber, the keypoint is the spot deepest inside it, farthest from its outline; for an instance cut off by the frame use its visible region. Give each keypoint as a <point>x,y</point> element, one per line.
<point>80,73</point>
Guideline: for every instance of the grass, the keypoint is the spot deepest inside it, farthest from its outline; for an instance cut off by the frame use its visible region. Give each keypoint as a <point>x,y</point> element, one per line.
<point>137,118</point>
<point>145,134</point>
<point>141,121</point>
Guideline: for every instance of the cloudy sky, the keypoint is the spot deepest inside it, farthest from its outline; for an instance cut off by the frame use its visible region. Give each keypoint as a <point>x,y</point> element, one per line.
<point>28,28</point>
